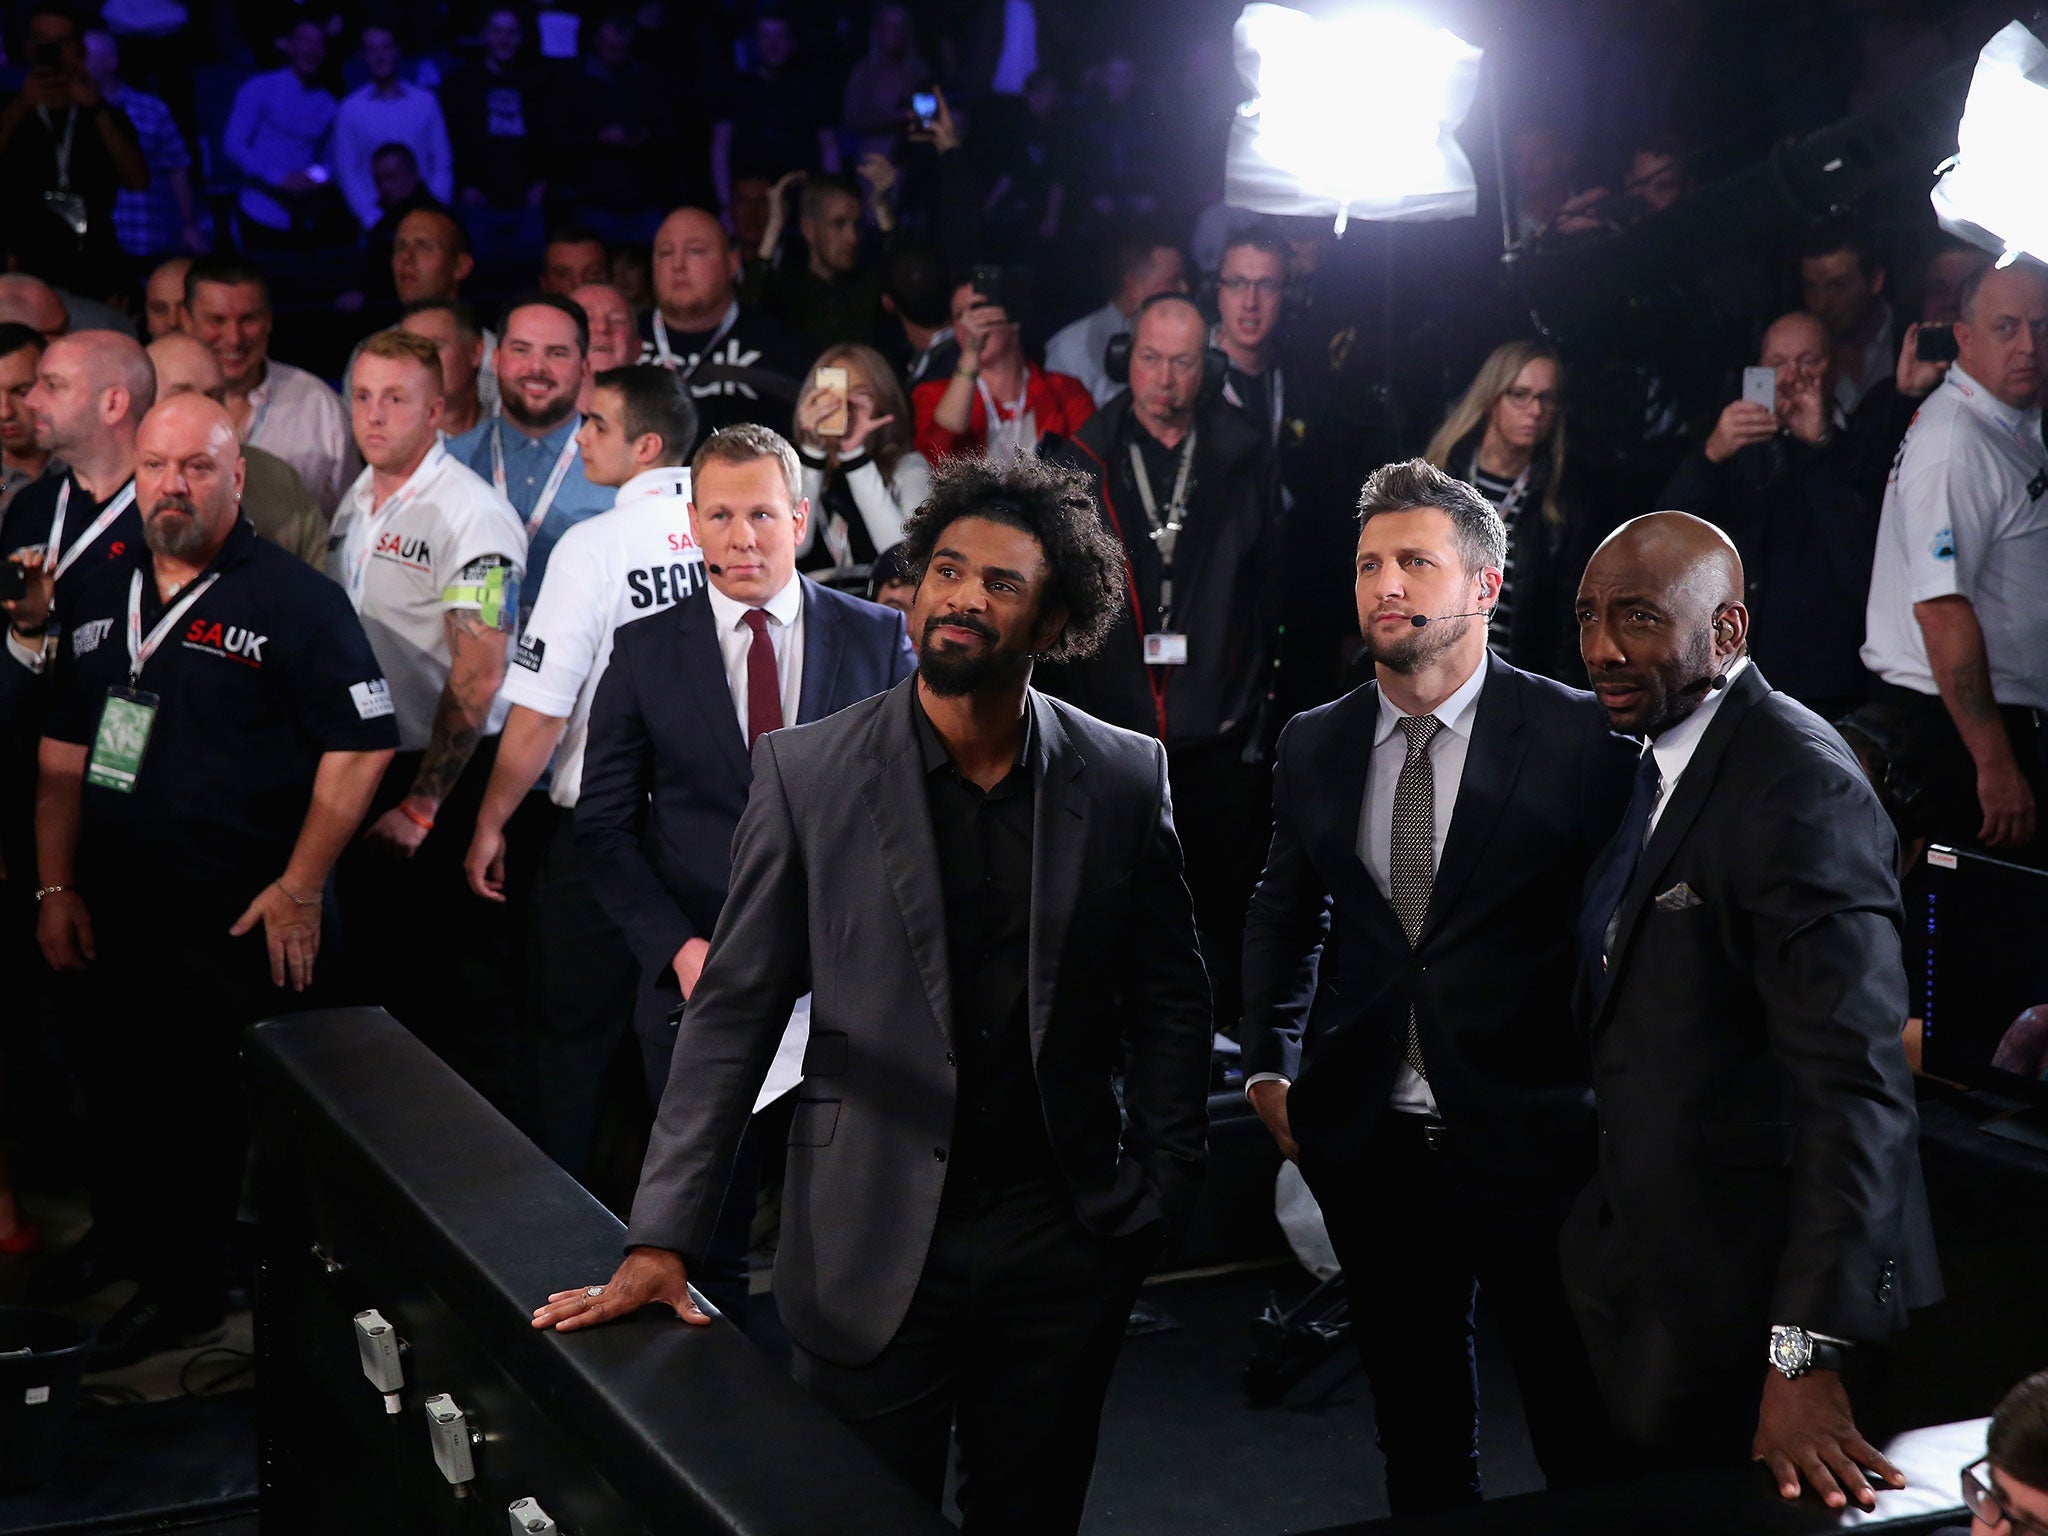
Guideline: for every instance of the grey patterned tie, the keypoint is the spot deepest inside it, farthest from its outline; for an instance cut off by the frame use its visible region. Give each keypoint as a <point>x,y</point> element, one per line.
<point>1411,863</point>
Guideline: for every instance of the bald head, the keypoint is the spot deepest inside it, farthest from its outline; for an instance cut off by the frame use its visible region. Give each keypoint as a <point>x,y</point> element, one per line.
<point>1167,342</point>
<point>91,392</point>
<point>1797,346</point>
<point>1661,616</point>
<point>1797,331</point>
<point>30,301</point>
<point>694,268</point>
<point>188,478</point>
<point>185,366</point>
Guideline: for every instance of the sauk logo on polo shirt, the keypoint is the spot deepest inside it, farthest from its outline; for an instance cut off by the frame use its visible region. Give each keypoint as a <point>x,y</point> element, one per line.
<point>229,640</point>
<point>408,550</point>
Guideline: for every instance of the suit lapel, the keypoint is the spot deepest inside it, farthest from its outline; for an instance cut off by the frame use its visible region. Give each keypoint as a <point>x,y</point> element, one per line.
<point>894,794</point>
<point>1493,760</point>
<point>1344,764</point>
<point>1059,845</point>
<point>1688,797</point>
<point>703,673</point>
<point>822,650</point>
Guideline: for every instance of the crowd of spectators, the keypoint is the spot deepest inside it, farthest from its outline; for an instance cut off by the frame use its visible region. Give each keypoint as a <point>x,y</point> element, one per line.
<point>442,263</point>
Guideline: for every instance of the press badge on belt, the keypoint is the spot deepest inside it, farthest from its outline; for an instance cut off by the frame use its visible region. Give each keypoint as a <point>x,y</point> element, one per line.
<point>1163,650</point>
<point>123,737</point>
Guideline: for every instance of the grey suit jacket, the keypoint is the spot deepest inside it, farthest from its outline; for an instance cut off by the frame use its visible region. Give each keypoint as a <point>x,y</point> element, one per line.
<point>835,891</point>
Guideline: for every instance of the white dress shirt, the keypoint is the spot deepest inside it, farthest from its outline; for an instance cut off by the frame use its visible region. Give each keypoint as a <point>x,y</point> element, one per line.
<point>1447,752</point>
<point>1676,746</point>
<point>785,612</point>
<point>298,418</point>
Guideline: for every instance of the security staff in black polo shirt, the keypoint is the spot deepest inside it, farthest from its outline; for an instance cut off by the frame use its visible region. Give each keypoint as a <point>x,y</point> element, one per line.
<point>216,727</point>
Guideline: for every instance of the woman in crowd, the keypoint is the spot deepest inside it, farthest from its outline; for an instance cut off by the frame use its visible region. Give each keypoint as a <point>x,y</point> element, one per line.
<point>861,483</point>
<point>1506,437</point>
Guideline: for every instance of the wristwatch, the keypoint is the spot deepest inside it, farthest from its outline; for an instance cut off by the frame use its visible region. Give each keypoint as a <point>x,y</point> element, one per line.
<point>1794,1352</point>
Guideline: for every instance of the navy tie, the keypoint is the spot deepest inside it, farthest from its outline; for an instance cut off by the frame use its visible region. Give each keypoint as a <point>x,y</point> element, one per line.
<point>1604,897</point>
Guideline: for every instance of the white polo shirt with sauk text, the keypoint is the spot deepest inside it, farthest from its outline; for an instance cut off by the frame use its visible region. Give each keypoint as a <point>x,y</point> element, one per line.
<point>443,541</point>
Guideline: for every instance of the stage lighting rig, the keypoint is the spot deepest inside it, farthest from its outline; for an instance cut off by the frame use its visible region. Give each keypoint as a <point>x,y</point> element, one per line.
<point>1990,191</point>
<point>1352,115</point>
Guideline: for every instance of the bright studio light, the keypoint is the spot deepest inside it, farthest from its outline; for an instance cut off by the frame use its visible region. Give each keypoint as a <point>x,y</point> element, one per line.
<point>1992,193</point>
<point>1351,115</point>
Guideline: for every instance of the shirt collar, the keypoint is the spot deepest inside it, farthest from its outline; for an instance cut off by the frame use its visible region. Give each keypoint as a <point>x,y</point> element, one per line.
<point>234,550</point>
<point>663,482</point>
<point>783,607</point>
<point>1676,746</point>
<point>1454,714</point>
<point>932,751</point>
<point>2007,418</point>
<point>514,439</point>
<point>365,487</point>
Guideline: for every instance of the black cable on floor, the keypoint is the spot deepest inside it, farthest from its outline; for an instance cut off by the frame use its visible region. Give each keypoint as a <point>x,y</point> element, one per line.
<point>237,1362</point>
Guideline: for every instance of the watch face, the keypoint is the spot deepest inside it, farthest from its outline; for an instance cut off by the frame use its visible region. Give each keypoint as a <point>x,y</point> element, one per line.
<point>1791,1351</point>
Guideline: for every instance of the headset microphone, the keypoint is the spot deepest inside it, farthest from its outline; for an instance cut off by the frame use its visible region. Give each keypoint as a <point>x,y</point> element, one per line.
<point>716,570</point>
<point>1720,681</point>
<point>1421,619</point>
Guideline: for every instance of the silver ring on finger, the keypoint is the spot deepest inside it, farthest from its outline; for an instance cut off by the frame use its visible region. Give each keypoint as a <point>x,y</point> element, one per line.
<point>593,1290</point>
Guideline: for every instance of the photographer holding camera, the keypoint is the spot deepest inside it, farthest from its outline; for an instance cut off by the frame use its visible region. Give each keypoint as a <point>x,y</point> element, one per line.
<point>65,150</point>
<point>1797,485</point>
<point>998,401</point>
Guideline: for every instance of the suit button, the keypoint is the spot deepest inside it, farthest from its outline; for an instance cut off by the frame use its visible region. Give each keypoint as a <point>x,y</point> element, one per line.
<point>952,1060</point>
<point>939,1154</point>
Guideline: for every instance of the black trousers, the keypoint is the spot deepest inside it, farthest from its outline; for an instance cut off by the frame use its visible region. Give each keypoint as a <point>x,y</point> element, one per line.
<point>430,951</point>
<point>1944,765</point>
<point>1008,1344</point>
<point>582,982</point>
<point>1418,1241</point>
<point>1223,810</point>
<point>158,1021</point>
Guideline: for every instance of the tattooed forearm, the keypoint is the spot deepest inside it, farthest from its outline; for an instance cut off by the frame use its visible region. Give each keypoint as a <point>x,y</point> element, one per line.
<point>456,733</point>
<point>477,667</point>
<point>1969,683</point>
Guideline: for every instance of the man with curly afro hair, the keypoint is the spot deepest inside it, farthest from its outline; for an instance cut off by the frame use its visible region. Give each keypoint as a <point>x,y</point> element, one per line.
<point>981,889</point>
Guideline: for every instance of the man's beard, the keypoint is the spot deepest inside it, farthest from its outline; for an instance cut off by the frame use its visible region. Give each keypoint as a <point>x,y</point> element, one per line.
<point>953,672</point>
<point>178,538</point>
<point>1411,649</point>
<point>558,408</point>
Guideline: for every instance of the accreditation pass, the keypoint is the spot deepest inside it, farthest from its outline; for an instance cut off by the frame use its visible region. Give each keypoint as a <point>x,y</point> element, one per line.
<point>1166,650</point>
<point>122,738</point>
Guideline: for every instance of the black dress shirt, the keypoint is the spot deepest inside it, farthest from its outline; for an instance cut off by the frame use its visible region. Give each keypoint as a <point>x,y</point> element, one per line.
<point>984,844</point>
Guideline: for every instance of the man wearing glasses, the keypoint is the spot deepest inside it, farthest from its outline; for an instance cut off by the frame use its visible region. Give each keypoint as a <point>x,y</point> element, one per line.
<point>1251,289</point>
<point>2006,1489</point>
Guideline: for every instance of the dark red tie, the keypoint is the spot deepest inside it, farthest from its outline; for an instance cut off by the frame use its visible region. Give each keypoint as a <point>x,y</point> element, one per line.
<point>764,685</point>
